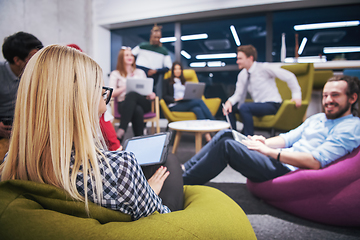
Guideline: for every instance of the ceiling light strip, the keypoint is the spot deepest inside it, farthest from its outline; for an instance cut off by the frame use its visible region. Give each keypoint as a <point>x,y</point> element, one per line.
<point>302,45</point>
<point>198,64</point>
<point>328,50</point>
<point>235,35</point>
<point>185,54</point>
<point>215,56</point>
<point>167,39</point>
<point>326,25</point>
<point>194,37</point>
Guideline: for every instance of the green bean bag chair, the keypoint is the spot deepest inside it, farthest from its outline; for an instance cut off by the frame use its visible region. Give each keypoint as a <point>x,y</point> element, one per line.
<point>30,210</point>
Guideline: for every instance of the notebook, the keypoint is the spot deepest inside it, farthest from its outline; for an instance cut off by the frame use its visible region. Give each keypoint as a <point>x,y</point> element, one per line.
<point>143,86</point>
<point>149,149</point>
<point>236,135</point>
<point>193,90</point>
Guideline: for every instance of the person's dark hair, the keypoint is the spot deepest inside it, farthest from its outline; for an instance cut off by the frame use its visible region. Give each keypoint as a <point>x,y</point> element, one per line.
<point>248,50</point>
<point>19,45</point>
<point>353,86</point>
<point>182,78</point>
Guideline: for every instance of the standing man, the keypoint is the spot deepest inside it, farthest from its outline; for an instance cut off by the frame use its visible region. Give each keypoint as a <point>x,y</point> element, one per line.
<point>17,50</point>
<point>320,140</point>
<point>259,80</point>
<point>152,57</point>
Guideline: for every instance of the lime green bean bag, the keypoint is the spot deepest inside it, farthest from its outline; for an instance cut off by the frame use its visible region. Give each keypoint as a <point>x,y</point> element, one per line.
<point>30,210</point>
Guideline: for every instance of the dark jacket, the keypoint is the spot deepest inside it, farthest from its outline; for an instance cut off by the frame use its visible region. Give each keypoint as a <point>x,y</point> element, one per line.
<point>168,91</point>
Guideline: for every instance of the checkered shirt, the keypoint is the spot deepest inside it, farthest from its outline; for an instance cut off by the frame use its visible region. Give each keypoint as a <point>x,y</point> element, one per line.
<point>126,189</point>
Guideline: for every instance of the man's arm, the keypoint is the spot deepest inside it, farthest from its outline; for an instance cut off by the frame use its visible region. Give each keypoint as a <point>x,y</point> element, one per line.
<point>239,94</point>
<point>292,83</point>
<point>269,147</point>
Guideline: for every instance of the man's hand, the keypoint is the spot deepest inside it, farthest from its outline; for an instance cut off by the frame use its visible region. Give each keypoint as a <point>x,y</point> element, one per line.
<point>5,130</point>
<point>157,180</point>
<point>257,138</point>
<point>151,72</point>
<point>227,108</point>
<point>178,99</point>
<point>151,96</point>
<point>258,145</point>
<point>297,102</point>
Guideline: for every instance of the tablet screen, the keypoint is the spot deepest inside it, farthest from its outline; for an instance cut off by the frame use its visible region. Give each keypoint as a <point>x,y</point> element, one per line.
<point>148,149</point>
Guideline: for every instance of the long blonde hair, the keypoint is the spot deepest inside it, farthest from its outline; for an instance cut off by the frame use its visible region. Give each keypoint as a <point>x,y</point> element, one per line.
<point>56,113</point>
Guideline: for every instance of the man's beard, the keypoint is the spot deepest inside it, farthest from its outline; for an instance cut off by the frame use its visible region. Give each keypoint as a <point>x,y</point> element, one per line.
<point>339,113</point>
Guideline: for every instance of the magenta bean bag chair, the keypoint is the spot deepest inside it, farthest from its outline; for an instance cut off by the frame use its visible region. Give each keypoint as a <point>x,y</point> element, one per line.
<point>330,195</point>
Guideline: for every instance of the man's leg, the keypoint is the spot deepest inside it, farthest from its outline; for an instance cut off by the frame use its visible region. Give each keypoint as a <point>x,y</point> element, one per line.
<point>252,164</point>
<point>223,150</point>
<point>248,110</point>
<point>232,116</point>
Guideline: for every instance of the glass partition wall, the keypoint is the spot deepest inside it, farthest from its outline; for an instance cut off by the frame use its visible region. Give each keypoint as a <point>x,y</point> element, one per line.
<point>209,45</point>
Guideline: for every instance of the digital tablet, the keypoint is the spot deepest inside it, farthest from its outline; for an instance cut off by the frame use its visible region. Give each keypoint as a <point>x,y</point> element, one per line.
<point>149,149</point>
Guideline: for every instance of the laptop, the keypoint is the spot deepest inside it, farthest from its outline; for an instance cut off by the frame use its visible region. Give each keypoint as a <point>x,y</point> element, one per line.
<point>143,86</point>
<point>236,135</point>
<point>193,90</point>
<point>149,149</point>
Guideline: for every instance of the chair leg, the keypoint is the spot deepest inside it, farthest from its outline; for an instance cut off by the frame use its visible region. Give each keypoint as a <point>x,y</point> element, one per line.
<point>272,132</point>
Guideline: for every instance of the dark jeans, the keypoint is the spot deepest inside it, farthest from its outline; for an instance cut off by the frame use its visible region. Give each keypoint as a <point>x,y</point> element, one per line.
<point>248,110</point>
<point>196,106</point>
<point>172,191</point>
<point>223,150</point>
<point>132,109</point>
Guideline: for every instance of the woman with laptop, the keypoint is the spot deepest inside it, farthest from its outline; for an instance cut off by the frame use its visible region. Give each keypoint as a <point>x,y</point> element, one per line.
<point>56,139</point>
<point>131,105</point>
<point>173,94</point>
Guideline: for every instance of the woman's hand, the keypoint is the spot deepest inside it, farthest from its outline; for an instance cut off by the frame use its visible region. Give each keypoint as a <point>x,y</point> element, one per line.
<point>178,99</point>
<point>157,180</point>
<point>151,96</point>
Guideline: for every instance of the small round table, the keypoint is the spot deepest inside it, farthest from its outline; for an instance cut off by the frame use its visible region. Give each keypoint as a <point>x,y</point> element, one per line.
<point>198,127</point>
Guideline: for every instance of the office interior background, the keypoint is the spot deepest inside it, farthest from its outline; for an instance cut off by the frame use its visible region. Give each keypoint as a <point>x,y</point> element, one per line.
<point>194,32</point>
<point>101,27</point>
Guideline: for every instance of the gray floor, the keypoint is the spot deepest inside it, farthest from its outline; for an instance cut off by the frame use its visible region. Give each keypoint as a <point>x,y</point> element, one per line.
<point>267,221</point>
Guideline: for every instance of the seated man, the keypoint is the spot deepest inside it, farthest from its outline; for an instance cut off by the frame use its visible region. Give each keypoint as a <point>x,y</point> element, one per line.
<point>259,80</point>
<point>17,50</point>
<point>320,140</point>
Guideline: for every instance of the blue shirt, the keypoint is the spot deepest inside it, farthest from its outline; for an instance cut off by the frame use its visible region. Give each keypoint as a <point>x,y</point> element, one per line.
<point>326,139</point>
<point>9,83</point>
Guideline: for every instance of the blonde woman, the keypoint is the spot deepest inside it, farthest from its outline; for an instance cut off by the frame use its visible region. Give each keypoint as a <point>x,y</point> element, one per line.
<point>55,137</point>
<point>131,106</point>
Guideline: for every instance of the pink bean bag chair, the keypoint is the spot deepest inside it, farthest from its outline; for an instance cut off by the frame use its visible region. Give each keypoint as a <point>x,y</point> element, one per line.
<point>330,195</point>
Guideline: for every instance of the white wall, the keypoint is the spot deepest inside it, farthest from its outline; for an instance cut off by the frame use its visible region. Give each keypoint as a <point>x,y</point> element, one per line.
<point>118,11</point>
<point>51,21</point>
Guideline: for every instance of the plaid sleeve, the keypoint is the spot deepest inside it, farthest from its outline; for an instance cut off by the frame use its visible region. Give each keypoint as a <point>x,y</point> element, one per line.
<point>125,187</point>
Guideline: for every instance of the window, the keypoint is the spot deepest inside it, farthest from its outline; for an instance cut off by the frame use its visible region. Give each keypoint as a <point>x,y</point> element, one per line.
<point>318,39</point>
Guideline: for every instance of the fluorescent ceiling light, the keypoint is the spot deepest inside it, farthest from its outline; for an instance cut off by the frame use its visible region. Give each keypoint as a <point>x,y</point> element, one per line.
<point>216,64</point>
<point>194,37</point>
<point>235,35</point>
<point>341,49</point>
<point>184,38</point>
<point>198,64</point>
<point>302,45</point>
<point>167,39</point>
<point>326,25</point>
<point>185,54</point>
<point>309,59</point>
<point>218,55</point>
